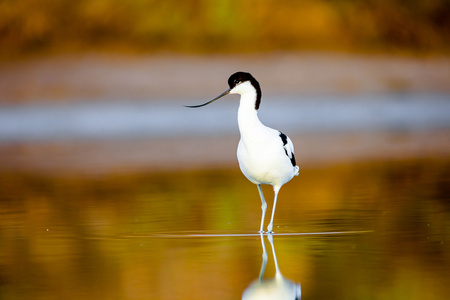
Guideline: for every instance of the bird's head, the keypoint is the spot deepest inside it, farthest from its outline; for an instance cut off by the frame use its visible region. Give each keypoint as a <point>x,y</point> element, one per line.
<point>239,83</point>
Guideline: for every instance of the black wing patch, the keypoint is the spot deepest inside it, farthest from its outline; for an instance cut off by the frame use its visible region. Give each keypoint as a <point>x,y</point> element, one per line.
<point>285,141</point>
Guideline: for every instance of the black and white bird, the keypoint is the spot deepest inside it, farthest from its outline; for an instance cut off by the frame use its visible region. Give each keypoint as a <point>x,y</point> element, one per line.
<point>265,155</point>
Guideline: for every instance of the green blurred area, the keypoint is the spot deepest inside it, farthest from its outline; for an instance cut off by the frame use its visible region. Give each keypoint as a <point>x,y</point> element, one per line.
<point>202,26</point>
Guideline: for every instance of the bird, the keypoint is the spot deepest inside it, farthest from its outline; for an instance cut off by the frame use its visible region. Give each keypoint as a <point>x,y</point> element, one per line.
<point>265,155</point>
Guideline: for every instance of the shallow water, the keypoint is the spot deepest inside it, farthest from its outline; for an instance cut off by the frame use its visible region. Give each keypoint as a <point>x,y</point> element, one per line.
<point>374,230</point>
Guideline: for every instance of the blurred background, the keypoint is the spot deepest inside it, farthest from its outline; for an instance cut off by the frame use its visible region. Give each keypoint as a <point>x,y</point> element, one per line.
<point>200,26</point>
<point>97,152</point>
<point>90,85</point>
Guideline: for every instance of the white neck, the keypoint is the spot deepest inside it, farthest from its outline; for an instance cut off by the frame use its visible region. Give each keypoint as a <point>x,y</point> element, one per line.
<point>248,120</point>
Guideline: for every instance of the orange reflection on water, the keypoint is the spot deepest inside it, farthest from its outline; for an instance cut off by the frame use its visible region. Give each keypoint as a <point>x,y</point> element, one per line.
<point>74,236</point>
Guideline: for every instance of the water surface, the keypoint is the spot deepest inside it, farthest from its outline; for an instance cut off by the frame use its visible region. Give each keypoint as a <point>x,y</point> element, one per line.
<point>377,230</point>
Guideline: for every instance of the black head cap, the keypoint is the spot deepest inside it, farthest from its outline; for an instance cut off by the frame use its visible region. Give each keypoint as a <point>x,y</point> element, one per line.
<point>240,77</point>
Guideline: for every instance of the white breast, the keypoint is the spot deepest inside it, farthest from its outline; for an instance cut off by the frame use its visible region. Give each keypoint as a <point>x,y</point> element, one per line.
<point>263,160</point>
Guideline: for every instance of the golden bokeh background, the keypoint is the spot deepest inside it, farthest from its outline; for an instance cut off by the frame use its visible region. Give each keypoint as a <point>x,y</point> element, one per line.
<point>205,26</point>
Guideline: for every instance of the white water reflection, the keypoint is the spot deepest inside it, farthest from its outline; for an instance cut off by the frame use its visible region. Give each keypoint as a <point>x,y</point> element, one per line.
<point>278,287</point>
<point>300,114</point>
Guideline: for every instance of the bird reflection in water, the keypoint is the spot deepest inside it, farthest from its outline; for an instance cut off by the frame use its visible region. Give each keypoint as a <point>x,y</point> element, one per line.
<point>279,287</point>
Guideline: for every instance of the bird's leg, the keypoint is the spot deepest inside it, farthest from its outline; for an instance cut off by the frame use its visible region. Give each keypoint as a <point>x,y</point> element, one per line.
<point>263,207</point>
<point>270,227</point>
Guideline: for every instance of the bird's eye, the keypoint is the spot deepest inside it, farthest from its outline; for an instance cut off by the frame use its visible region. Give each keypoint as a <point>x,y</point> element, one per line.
<point>236,81</point>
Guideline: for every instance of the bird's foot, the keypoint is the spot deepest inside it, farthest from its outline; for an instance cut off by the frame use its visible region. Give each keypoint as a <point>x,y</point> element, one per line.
<point>265,232</point>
